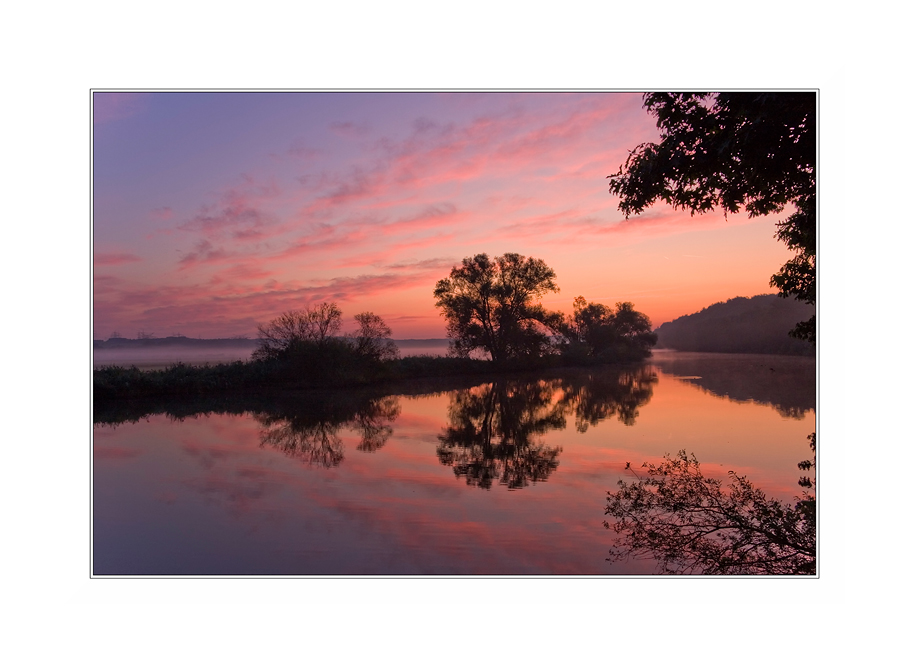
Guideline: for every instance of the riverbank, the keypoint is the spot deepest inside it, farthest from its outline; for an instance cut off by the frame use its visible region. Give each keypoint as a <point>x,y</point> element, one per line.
<point>118,383</point>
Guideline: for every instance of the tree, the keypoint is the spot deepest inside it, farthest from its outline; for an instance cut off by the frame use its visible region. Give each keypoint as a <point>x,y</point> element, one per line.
<point>372,338</point>
<point>596,330</point>
<point>294,329</point>
<point>690,524</point>
<point>588,328</point>
<point>731,151</point>
<point>491,305</point>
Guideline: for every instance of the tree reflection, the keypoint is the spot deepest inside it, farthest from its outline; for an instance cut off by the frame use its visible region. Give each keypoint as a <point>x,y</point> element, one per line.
<point>374,422</point>
<point>689,524</point>
<point>595,397</point>
<point>316,443</point>
<point>312,433</point>
<point>494,432</point>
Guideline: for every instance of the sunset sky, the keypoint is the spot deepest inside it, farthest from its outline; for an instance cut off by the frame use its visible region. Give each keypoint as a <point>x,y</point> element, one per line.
<point>214,212</point>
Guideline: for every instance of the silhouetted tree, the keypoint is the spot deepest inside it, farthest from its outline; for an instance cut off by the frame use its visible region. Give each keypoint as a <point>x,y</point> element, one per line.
<point>689,524</point>
<point>491,305</point>
<point>734,150</point>
<point>304,346</point>
<point>587,331</point>
<point>595,330</point>
<point>372,338</point>
<point>492,434</point>
<point>314,325</point>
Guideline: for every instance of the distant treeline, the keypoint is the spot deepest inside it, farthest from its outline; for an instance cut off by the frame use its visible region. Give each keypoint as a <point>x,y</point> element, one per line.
<point>182,341</point>
<point>757,325</point>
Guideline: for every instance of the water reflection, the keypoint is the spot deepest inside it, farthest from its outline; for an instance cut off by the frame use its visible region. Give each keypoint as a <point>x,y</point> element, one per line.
<point>778,381</point>
<point>306,426</point>
<point>313,436</point>
<point>494,432</point>
<point>274,483</point>
<point>594,397</point>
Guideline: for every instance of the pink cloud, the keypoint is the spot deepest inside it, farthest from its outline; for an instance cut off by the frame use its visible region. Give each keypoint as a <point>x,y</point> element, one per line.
<point>398,172</point>
<point>242,272</point>
<point>241,209</point>
<point>220,306</point>
<point>434,263</point>
<point>235,213</point>
<point>163,213</point>
<point>385,256</point>
<point>203,253</point>
<point>358,184</point>
<point>434,215</point>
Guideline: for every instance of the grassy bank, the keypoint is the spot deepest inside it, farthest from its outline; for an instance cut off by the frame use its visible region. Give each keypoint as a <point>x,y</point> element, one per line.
<point>333,371</point>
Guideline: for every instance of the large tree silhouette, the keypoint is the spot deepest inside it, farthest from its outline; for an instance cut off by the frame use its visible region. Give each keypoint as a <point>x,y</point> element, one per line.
<point>732,151</point>
<point>492,305</point>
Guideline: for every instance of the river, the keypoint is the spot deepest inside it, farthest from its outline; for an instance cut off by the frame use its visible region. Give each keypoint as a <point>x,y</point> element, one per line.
<point>498,478</point>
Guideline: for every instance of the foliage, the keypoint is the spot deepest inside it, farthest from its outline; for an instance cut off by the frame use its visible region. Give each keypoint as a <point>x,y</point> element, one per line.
<point>732,151</point>
<point>372,338</point>
<point>117,382</point>
<point>757,325</point>
<point>690,524</point>
<point>304,344</point>
<point>595,330</point>
<point>797,277</point>
<point>284,335</point>
<point>491,305</point>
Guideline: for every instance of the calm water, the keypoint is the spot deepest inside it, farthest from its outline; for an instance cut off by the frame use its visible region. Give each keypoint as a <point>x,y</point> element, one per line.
<point>505,477</point>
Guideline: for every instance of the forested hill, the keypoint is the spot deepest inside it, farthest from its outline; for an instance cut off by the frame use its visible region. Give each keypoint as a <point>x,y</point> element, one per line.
<point>758,324</point>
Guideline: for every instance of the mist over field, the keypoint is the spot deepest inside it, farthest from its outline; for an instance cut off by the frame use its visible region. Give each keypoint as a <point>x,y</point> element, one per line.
<point>162,356</point>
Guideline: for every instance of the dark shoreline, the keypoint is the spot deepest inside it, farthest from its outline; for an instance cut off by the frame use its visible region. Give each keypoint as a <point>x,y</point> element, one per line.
<point>117,385</point>
<point>264,398</point>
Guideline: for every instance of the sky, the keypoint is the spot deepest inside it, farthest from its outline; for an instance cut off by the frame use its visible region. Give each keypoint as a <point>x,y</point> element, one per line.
<point>214,212</point>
